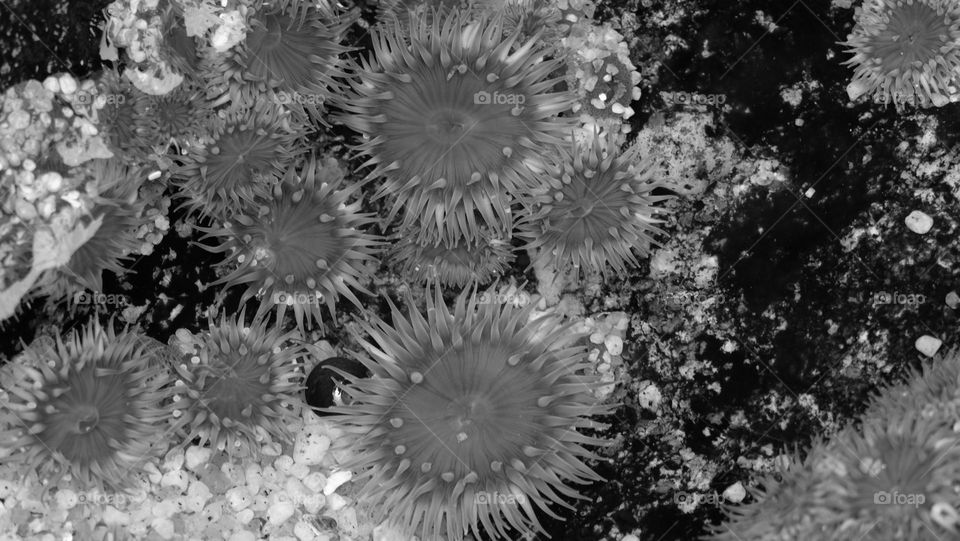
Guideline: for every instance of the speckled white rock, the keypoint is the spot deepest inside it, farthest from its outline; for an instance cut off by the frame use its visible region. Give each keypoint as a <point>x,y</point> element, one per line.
<point>649,396</point>
<point>68,85</point>
<point>735,492</point>
<point>919,222</point>
<point>304,531</point>
<point>239,498</point>
<point>315,481</point>
<point>310,445</point>
<point>271,449</point>
<point>928,345</point>
<point>314,503</point>
<point>280,512</point>
<point>254,477</point>
<point>953,299</point>
<point>299,471</point>
<point>153,474</point>
<point>614,344</point>
<point>597,338</point>
<point>197,496</point>
<point>177,479</point>
<point>347,522</point>
<point>67,499</point>
<point>173,461</point>
<point>245,516</point>
<point>283,463</point>
<point>336,479</point>
<point>335,502</point>
<point>260,503</point>
<point>163,527</point>
<point>243,535</point>
<point>197,456</point>
<point>166,508</point>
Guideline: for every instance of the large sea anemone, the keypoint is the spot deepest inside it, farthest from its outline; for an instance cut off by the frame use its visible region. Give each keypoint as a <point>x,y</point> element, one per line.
<point>91,406</point>
<point>302,248</point>
<point>906,52</point>
<point>238,386</point>
<point>470,420</point>
<point>596,206</point>
<point>451,110</point>
<point>248,152</point>
<point>293,48</point>
<point>180,117</point>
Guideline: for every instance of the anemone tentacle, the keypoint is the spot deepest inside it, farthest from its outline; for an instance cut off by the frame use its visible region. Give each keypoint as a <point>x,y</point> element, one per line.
<point>451,110</point>
<point>471,420</point>
<point>454,265</point>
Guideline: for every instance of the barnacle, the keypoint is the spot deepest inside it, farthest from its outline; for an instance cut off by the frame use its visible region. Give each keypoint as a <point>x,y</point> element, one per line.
<point>304,248</point>
<point>238,385</point>
<point>248,151</point>
<point>450,112</point>
<point>91,405</point>
<point>596,206</point>
<point>906,52</point>
<point>470,419</point>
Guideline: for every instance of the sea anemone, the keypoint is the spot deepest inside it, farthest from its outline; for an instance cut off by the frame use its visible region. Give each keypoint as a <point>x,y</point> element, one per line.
<point>178,118</point>
<point>176,48</point>
<point>595,207</point>
<point>238,386</point>
<point>304,246</point>
<point>90,405</point>
<point>470,420</point>
<point>451,112</point>
<point>120,213</point>
<point>120,118</point>
<point>906,52</point>
<point>292,47</point>
<point>248,151</point>
<point>454,265</point>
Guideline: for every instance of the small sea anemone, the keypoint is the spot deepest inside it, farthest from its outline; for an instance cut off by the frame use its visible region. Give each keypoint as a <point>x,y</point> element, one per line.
<point>120,213</point>
<point>304,247</point>
<point>906,52</point>
<point>457,265</point>
<point>179,117</point>
<point>451,110</point>
<point>248,151</point>
<point>238,386</point>
<point>596,207</point>
<point>119,119</point>
<point>470,420</point>
<point>292,46</point>
<point>90,405</point>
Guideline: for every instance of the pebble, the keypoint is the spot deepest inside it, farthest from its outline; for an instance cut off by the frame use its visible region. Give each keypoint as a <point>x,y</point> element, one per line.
<point>919,222</point>
<point>197,456</point>
<point>52,84</point>
<point>335,502</point>
<point>177,479</point>
<point>245,516</point>
<point>953,300</point>
<point>314,503</point>
<point>254,476</point>
<point>614,344</point>
<point>335,480</point>
<point>928,345</point>
<point>649,396</point>
<point>239,498</point>
<point>243,535</point>
<point>68,85</point>
<point>283,463</point>
<point>597,338</point>
<point>304,531</point>
<point>197,496</point>
<point>310,446</point>
<point>163,527</point>
<point>735,492</point>
<point>173,461</point>
<point>67,499</point>
<point>279,512</point>
<point>111,516</point>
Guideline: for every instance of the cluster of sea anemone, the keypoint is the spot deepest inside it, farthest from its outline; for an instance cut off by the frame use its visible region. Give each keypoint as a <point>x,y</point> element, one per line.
<point>90,406</point>
<point>906,52</point>
<point>238,386</point>
<point>471,421</point>
<point>893,477</point>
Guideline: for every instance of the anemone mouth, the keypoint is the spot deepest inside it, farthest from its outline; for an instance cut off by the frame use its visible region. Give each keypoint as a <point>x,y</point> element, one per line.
<point>178,116</point>
<point>471,418</point>
<point>906,52</point>
<point>237,385</point>
<point>87,405</point>
<point>305,249</point>
<point>452,109</point>
<point>596,208</point>
<point>245,158</point>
